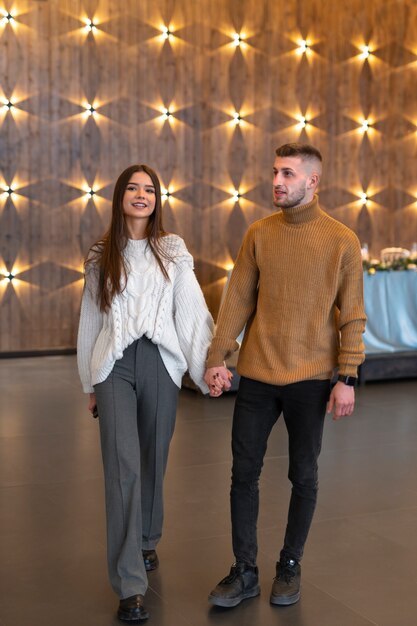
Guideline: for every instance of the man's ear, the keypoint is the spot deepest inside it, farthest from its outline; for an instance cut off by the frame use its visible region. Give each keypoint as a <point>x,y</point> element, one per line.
<point>313,180</point>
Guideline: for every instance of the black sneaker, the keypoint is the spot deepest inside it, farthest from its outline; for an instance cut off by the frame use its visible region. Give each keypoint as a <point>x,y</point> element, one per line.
<point>241,583</point>
<point>286,585</point>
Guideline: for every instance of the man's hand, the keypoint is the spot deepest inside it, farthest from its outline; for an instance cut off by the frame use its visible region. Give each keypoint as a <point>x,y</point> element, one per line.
<point>341,401</point>
<point>218,380</point>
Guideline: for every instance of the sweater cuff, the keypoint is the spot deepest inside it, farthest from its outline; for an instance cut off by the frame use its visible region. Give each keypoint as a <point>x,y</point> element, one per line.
<point>218,354</point>
<point>204,388</point>
<point>346,370</point>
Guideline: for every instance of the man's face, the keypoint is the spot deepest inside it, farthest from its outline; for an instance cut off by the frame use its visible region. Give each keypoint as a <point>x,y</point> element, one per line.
<point>293,182</point>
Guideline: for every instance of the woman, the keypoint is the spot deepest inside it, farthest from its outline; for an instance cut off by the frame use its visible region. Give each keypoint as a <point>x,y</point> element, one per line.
<point>143,322</point>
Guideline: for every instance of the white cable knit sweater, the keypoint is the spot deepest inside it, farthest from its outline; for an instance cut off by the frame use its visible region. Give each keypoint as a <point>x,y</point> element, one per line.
<point>173,315</point>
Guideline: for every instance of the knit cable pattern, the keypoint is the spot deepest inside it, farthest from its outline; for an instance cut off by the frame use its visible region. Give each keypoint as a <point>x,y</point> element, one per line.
<point>172,314</point>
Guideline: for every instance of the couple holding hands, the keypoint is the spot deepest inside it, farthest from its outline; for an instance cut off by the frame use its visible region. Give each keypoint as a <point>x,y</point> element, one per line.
<point>296,289</point>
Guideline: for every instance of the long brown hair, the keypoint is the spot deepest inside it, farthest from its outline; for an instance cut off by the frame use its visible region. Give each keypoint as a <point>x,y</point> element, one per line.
<point>107,253</point>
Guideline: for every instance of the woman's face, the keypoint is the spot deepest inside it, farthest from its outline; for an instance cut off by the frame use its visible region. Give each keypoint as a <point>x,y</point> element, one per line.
<point>139,201</point>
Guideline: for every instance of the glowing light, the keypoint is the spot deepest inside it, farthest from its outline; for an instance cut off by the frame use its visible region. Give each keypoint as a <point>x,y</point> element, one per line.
<point>7,18</point>
<point>365,126</point>
<point>166,33</point>
<point>237,118</point>
<point>9,191</point>
<point>365,52</point>
<point>304,47</point>
<point>6,275</point>
<point>90,26</point>
<point>236,195</point>
<point>8,104</point>
<point>303,121</point>
<point>91,192</point>
<point>166,114</point>
<point>364,198</point>
<point>90,109</point>
<point>166,194</point>
<point>237,39</point>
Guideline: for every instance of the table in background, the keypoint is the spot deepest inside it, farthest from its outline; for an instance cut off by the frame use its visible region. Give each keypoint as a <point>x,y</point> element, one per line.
<point>391,330</point>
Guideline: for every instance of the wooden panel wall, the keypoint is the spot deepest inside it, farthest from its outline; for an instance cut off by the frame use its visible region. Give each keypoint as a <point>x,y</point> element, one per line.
<point>52,151</point>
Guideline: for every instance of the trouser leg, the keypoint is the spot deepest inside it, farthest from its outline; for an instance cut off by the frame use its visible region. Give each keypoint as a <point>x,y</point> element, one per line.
<point>157,410</point>
<point>117,407</point>
<point>136,405</point>
<point>304,408</point>
<point>256,411</point>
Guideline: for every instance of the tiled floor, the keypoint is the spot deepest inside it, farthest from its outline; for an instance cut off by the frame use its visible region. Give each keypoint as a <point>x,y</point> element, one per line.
<point>360,564</point>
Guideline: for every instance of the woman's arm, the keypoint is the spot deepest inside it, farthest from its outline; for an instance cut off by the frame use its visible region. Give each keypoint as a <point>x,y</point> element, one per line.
<point>88,329</point>
<point>193,322</point>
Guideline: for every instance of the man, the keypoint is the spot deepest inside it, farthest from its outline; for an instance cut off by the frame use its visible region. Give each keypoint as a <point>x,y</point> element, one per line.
<point>297,288</point>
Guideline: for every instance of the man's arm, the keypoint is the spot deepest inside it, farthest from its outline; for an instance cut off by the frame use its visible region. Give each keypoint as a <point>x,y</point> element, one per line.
<point>352,320</point>
<point>238,305</point>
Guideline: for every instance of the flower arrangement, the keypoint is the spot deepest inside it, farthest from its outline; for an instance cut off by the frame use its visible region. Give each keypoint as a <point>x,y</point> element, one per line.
<point>396,265</point>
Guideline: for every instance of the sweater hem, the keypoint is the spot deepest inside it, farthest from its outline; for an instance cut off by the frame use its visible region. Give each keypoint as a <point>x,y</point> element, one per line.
<point>272,378</point>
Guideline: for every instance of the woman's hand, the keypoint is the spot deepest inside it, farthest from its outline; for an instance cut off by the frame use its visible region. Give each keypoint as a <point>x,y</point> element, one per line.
<point>218,380</point>
<point>92,405</point>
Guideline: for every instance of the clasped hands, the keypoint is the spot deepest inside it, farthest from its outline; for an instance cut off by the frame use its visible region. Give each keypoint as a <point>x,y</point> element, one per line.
<point>218,379</point>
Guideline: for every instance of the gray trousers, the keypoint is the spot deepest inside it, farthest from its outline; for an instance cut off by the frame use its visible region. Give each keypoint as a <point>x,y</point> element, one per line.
<point>136,406</point>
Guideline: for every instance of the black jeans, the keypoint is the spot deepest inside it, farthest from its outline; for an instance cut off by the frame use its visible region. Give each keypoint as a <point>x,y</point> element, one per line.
<point>258,407</point>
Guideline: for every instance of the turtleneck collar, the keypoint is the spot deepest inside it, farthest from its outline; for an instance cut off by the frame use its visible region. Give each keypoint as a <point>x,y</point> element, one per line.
<point>302,214</point>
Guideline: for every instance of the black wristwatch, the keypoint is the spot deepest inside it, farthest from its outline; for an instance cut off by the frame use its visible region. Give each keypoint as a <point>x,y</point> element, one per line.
<point>348,380</point>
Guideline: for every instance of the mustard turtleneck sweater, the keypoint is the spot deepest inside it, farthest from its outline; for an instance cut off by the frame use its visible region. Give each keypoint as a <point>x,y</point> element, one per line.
<point>297,285</point>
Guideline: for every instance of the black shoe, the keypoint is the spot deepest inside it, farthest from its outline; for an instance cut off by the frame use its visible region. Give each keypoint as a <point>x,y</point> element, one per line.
<point>150,558</point>
<point>132,610</point>
<point>241,583</point>
<point>286,585</point>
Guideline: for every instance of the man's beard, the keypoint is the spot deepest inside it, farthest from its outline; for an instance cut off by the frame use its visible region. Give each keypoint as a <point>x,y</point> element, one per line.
<point>289,201</point>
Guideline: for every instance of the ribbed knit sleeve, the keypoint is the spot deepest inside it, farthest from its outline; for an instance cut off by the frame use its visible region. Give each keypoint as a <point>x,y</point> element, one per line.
<point>88,330</point>
<point>193,322</point>
<point>238,305</point>
<point>352,316</point>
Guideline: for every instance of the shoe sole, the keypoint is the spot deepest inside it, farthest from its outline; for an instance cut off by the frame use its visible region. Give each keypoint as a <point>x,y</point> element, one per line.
<point>151,568</point>
<point>231,602</point>
<point>134,620</point>
<point>285,600</point>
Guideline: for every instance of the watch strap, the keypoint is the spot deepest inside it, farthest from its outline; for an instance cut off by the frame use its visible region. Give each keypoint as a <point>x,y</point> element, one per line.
<point>348,380</point>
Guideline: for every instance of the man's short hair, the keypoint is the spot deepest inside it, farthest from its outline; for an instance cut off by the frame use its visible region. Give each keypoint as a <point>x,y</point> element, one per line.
<point>302,150</point>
